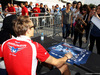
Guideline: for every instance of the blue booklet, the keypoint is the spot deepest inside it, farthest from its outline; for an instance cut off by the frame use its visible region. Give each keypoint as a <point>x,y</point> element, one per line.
<point>80,56</point>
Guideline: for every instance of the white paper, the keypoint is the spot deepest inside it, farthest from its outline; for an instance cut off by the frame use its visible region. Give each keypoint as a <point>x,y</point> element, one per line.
<point>96,21</point>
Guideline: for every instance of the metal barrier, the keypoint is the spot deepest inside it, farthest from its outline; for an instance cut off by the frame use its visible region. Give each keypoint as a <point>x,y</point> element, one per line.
<point>50,25</point>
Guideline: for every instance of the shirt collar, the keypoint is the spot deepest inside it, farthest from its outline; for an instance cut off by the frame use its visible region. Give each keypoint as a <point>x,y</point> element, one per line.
<point>24,37</point>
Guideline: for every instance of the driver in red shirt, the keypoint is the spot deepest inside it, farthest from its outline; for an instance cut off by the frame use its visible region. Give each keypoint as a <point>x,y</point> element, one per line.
<point>21,54</point>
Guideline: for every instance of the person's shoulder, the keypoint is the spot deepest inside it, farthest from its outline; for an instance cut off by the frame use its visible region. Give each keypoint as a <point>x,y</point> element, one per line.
<point>29,6</point>
<point>34,8</point>
<point>13,7</point>
<point>64,11</point>
<point>38,8</point>
<point>7,41</point>
<point>36,43</point>
<point>24,7</point>
<point>71,11</point>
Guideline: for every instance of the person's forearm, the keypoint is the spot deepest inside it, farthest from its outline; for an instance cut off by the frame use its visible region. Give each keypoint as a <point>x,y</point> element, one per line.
<point>62,19</point>
<point>89,18</point>
<point>71,20</point>
<point>84,22</point>
<point>61,61</point>
<point>56,62</point>
<point>98,17</point>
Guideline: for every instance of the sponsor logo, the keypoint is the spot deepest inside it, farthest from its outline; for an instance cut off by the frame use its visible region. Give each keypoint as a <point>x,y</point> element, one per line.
<point>15,47</point>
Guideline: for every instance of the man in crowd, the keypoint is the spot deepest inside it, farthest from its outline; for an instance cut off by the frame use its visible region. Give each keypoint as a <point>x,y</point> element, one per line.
<point>24,10</point>
<point>18,10</point>
<point>12,9</point>
<point>42,10</point>
<point>21,53</point>
<point>36,9</point>
<point>66,21</point>
<point>64,8</point>
<point>30,6</point>
<point>9,7</point>
<point>26,5</point>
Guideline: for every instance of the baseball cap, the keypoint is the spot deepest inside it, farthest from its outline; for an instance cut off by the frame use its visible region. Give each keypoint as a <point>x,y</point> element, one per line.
<point>36,4</point>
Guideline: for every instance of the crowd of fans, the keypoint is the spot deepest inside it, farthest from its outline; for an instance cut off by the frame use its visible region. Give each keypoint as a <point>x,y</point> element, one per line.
<point>27,9</point>
<point>75,18</point>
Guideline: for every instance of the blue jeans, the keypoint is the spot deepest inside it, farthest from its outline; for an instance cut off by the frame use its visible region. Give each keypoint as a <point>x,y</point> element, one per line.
<point>72,31</point>
<point>66,30</point>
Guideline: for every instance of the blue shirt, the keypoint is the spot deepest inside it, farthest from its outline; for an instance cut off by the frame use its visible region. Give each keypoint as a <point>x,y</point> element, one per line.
<point>95,31</point>
<point>63,9</point>
<point>58,12</point>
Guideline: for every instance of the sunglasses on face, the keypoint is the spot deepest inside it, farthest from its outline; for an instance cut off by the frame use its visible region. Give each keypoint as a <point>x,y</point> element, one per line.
<point>32,27</point>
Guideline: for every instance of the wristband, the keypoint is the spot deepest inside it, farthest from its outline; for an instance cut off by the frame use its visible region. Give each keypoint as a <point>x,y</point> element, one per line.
<point>66,56</point>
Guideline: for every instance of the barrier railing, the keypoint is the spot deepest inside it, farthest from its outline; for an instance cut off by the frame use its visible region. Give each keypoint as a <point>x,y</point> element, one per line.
<point>50,25</point>
<point>46,23</point>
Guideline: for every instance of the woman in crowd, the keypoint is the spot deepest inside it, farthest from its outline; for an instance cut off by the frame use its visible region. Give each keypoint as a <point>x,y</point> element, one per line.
<point>73,9</point>
<point>85,12</point>
<point>76,11</point>
<point>95,31</point>
<point>78,7</point>
<point>79,28</point>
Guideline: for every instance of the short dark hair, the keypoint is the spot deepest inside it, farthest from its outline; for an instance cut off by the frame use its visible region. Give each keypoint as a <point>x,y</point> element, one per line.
<point>57,5</point>
<point>41,3</point>
<point>63,5</point>
<point>74,2</point>
<point>68,3</point>
<point>93,6</point>
<point>99,5</point>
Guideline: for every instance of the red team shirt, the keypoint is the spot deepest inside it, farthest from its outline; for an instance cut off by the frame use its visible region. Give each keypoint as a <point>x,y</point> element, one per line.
<point>9,9</point>
<point>37,10</point>
<point>12,9</point>
<point>21,54</point>
<point>24,11</point>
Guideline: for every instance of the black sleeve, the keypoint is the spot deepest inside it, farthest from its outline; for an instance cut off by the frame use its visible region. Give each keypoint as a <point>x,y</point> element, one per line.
<point>43,10</point>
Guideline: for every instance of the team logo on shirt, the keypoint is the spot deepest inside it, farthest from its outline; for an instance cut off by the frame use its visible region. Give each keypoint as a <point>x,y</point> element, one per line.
<point>14,50</point>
